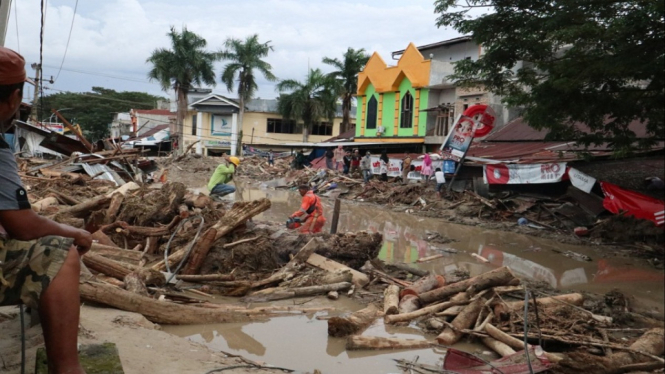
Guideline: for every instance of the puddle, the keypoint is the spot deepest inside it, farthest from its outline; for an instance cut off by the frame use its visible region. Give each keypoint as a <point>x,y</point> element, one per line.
<point>302,343</point>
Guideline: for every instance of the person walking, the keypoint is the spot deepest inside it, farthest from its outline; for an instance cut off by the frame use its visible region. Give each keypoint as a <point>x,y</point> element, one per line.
<point>440,182</point>
<point>347,162</point>
<point>339,157</point>
<point>330,155</point>
<point>271,158</point>
<point>426,171</point>
<point>366,167</point>
<point>384,161</point>
<point>39,258</point>
<point>355,162</point>
<point>219,181</point>
<point>311,205</point>
<point>406,168</point>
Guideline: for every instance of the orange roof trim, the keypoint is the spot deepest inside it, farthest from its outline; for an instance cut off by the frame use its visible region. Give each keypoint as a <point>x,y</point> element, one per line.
<point>412,65</point>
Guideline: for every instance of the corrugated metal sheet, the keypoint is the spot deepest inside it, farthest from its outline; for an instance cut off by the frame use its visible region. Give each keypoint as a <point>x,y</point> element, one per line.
<point>103,172</point>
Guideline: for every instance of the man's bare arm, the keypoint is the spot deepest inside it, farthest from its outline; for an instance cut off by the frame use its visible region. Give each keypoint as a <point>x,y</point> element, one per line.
<point>25,224</point>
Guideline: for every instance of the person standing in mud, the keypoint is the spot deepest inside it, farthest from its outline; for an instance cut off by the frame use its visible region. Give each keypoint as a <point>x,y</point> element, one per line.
<point>219,182</point>
<point>271,158</point>
<point>406,168</point>
<point>366,167</point>
<point>311,206</point>
<point>330,155</point>
<point>339,156</point>
<point>39,258</point>
<point>384,161</point>
<point>347,162</point>
<point>355,162</point>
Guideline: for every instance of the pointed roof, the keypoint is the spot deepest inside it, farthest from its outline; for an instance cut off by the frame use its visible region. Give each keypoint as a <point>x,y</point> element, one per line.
<point>411,65</point>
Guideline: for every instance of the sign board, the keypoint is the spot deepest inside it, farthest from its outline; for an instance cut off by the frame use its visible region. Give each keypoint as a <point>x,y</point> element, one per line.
<point>458,140</point>
<point>217,144</point>
<point>524,173</point>
<point>55,127</point>
<point>221,125</point>
<point>580,180</point>
<point>395,167</point>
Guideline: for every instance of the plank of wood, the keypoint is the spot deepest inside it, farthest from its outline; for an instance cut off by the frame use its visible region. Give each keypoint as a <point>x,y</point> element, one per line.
<point>323,263</point>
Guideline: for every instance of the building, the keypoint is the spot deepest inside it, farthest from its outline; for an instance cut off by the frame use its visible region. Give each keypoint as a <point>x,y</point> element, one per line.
<point>121,125</point>
<point>415,101</point>
<point>211,118</point>
<point>145,120</point>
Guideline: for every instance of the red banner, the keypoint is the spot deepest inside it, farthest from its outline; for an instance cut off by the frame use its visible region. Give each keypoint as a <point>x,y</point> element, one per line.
<point>635,204</point>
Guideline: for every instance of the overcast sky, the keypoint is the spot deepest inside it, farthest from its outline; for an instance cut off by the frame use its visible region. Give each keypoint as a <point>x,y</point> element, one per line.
<point>111,40</point>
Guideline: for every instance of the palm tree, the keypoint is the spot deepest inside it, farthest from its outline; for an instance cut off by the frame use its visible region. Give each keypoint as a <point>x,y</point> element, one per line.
<point>309,101</point>
<point>347,77</point>
<point>245,57</point>
<point>186,63</point>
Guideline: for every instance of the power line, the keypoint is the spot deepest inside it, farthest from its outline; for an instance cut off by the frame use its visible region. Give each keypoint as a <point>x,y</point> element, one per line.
<point>103,75</point>
<point>68,39</point>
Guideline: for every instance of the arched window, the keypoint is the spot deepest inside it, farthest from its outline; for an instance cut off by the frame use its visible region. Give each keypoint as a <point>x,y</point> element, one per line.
<point>407,111</point>
<point>371,113</point>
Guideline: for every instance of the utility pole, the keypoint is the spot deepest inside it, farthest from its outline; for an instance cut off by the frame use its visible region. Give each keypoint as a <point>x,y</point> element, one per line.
<point>38,76</point>
<point>5,5</point>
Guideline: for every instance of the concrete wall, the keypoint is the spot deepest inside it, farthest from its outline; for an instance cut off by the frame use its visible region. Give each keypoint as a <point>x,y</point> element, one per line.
<point>454,52</point>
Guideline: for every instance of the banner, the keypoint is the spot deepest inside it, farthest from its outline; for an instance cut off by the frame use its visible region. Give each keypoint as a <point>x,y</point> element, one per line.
<point>395,167</point>
<point>524,173</point>
<point>476,121</point>
<point>618,200</point>
<point>580,180</point>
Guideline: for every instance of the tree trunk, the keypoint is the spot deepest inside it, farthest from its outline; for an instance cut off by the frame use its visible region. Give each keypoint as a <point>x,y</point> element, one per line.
<point>44,203</point>
<point>290,268</point>
<point>116,253</point>
<point>408,304</point>
<point>134,284</point>
<point>501,348</point>
<point>287,293</point>
<point>410,269</point>
<point>464,320</point>
<point>239,214</point>
<point>114,208</point>
<point>651,342</point>
<point>496,277</point>
<point>83,209</point>
<point>501,336</point>
<point>424,284</point>
<point>346,111</point>
<point>391,300</point>
<point>353,323</point>
<point>157,311</point>
<point>573,298</point>
<point>359,279</point>
<point>374,342</point>
<point>180,118</point>
<point>120,271</point>
<point>403,317</point>
<point>206,278</point>
<point>103,239</point>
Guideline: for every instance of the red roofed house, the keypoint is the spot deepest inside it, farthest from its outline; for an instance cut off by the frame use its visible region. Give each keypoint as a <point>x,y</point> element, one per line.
<point>144,120</point>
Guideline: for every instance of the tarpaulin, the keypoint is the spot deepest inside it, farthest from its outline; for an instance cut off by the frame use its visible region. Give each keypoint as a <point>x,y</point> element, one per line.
<point>635,204</point>
<point>524,173</point>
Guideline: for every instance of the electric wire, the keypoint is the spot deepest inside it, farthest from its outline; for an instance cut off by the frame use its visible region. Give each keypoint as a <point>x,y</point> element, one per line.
<point>189,248</point>
<point>68,39</point>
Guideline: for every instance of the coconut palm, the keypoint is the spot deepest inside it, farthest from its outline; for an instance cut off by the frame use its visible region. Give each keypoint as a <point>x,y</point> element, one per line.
<point>245,57</point>
<point>346,76</point>
<point>308,101</point>
<point>186,63</point>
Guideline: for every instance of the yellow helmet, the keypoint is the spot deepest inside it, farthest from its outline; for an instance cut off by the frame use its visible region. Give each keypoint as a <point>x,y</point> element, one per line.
<point>235,160</point>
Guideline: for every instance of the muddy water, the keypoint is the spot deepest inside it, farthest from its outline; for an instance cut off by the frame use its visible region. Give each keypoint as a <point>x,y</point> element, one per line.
<point>301,342</point>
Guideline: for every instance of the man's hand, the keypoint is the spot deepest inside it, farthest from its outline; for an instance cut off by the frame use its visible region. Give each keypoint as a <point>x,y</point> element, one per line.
<point>83,241</point>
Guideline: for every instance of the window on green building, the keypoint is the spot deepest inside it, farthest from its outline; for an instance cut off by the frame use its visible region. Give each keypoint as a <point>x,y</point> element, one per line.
<point>371,113</point>
<point>407,112</point>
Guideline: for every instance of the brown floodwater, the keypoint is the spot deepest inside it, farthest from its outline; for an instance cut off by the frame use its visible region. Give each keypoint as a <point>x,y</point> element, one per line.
<point>302,343</point>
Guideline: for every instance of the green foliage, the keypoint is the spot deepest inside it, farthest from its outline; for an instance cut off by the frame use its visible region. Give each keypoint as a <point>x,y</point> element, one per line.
<point>245,57</point>
<point>597,62</point>
<point>185,63</point>
<point>346,77</point>
<point>308,101</point>
<point>94,110</point>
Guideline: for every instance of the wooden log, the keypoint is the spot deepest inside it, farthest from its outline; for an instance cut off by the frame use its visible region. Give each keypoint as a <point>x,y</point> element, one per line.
<point>114,207</point>
<point>134,284</point>
<point>198,201</point>
<point>359,279</point>
<point>573,298</point>
<point>44,203</point>
<point>64,199</point>
<point>116,253</point>
<point>358,342</point>
<point>404,317</point>
<point>353,323</point>
<point>501,348</point>
<point>103,239</point>
<point>496,277</point>
<point>431,258</point>
<point>238,215</point>
<point>391,300</point>
<point>110,280</point>
<point>652,343</point>
<point>424,284</point>
<point>280,293</point>
<point>410,269</point>
<point>336,277</point>
<point>206,278</point>
<point>154,310</point>
<point>289,269</point>
<point>501,336</point>
<point>408,304</point>
<point>183,211</point>
<point>333,295</point>
<point>464,320</point>
<point>120,271</point>
<point>124,189</point>
<point>451,312</point>
<point>83,209</point>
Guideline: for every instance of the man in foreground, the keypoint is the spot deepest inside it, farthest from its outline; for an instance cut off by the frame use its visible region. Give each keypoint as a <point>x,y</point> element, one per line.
<point>39,258</point>
<point>311,205</point>
<point>219,182</point>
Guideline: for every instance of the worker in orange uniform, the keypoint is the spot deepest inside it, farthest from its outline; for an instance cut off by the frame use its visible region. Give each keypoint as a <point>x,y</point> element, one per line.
<point>311,205</point>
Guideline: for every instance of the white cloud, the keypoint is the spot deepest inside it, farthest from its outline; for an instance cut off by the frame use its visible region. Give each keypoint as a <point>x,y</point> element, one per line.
<point>114,38</point>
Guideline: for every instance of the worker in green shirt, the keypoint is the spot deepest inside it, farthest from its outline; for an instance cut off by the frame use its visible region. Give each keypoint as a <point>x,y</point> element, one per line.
<point>218,185</point>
